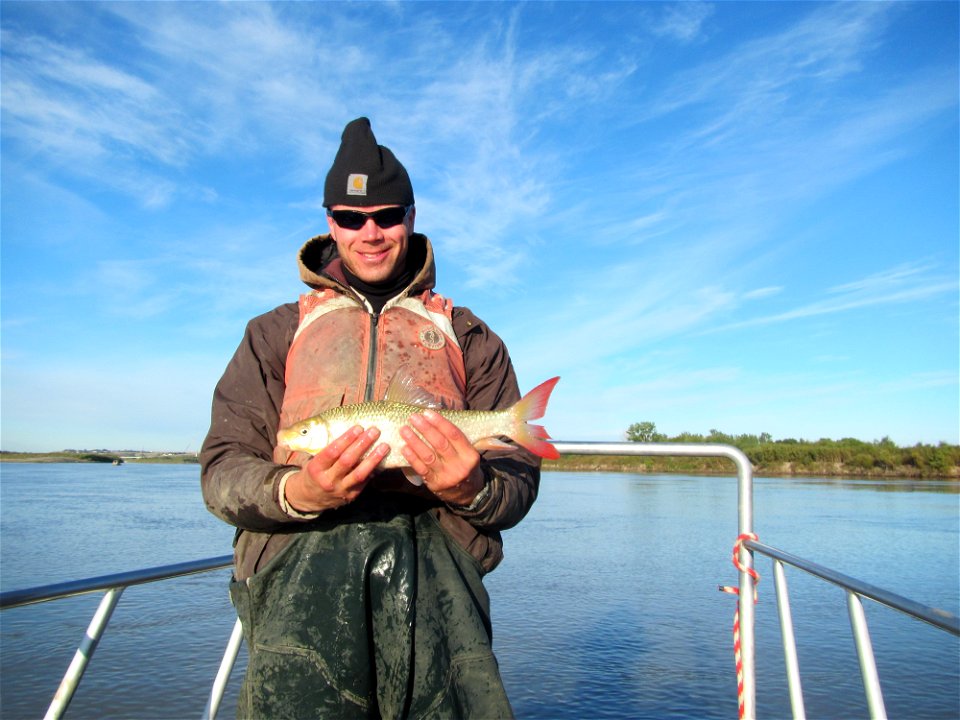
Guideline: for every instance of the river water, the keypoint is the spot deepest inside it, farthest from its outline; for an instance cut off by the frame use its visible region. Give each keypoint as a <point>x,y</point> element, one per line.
<point>606,605</point>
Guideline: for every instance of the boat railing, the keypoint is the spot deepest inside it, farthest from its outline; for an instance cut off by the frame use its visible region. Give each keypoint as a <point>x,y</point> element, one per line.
<point>747,544</point>
<point>114,585</point>
<point>855,591</point>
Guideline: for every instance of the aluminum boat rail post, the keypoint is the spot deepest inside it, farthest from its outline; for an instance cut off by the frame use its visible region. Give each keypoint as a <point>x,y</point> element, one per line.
<point>81,658</point>
<point>114,585</point>
<point>744,527</point>
<point>789,642</point>
<point>868,663</point>
<point>223,674</point>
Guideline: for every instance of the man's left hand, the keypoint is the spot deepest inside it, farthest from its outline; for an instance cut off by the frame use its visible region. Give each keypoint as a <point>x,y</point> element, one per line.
<point>442,455</point>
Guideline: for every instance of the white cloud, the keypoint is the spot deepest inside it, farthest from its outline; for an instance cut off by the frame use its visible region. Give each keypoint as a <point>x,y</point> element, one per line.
<point>260,79</point>
<point>902,284</point>
<point>75,105</point>
<point>760,293</point>
<point>682,21</point>
<point>758,77</point>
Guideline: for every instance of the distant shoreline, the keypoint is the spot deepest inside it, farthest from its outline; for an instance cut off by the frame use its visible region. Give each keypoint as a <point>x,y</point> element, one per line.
<point>569,463</point>
<point>720,466</point>
<point>101,457</point>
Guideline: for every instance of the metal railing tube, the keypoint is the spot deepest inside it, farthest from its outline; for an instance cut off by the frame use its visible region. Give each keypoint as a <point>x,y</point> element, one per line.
<point>937,617</point>
<point>789,642</point>
<point>27,596</point>
<point>868,664</point>
<point>744,522</point>
<point>68,686</point>
<point>223,674</point>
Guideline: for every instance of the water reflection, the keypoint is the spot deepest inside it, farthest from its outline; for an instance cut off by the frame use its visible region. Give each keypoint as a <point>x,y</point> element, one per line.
<point>949,486</point>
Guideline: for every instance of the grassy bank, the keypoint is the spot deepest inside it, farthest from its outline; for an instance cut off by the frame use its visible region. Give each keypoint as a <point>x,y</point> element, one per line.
<point>847,457</point>
<point>82,456</point>
<point>722,466</point>
<point>808,465</point>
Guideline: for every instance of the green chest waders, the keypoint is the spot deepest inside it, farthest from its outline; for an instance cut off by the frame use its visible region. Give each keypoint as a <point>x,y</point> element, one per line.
<point>379,615</point>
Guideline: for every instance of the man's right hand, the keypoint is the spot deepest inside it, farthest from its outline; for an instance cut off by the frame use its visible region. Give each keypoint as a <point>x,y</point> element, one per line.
<point>337,474</point>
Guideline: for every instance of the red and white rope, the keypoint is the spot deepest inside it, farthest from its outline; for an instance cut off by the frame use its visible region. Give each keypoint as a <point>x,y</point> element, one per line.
<point>736,616</point>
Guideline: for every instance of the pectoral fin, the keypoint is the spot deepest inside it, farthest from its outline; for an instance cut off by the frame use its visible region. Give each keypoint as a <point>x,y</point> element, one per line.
<point>412,476</point>
<point>492,443</point>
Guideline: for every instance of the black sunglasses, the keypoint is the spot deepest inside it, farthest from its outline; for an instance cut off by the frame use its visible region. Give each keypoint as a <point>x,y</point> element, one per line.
<point>385,218</point>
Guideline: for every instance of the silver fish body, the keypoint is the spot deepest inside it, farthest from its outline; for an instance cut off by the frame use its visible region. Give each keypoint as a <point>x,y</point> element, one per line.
<point>481,427</point>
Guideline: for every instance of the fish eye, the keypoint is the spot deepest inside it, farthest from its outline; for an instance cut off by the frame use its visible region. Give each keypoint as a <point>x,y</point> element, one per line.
<point>304,431</point>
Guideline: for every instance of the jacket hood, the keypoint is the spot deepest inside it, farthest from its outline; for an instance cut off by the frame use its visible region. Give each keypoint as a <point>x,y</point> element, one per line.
<point>320,265</point>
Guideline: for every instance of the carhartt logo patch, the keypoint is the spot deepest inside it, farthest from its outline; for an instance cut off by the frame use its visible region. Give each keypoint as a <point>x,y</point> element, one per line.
<point>431,338</point>
<point>356,184</point>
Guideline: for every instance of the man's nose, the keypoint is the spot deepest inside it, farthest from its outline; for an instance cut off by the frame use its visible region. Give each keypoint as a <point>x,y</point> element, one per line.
<point>370,229</point>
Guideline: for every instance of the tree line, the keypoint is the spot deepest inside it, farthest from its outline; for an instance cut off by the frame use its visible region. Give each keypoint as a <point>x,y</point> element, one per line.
<point>877,457</point>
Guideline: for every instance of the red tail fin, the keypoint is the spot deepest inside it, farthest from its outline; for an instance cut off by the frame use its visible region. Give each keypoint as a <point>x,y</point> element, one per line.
<point>531,406</point>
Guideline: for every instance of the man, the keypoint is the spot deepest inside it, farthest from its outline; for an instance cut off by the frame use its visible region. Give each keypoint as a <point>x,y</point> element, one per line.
<point>360,593</point>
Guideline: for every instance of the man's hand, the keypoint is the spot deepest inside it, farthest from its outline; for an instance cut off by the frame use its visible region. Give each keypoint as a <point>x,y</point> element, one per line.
<point>337,474</point>
<point>442,455</point>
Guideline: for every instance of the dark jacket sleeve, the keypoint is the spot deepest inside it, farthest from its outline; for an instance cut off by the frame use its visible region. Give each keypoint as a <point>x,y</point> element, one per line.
<point>240,481</point>
<point>513,475</point>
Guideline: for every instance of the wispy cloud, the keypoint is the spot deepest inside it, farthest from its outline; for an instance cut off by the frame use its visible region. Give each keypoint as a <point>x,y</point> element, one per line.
<point>682,21</point>
<point>775,122</point>
<point>902,284</point>
<point>464,126</point>
<point>760,293</point>
<point>84,117</point>
<point>759,77</point>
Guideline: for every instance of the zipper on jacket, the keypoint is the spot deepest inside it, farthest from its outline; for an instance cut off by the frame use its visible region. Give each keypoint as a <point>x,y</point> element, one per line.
<point>372,360</point>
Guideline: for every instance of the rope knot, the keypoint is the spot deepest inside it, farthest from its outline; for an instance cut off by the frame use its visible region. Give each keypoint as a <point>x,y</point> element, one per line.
<point>737,546</point>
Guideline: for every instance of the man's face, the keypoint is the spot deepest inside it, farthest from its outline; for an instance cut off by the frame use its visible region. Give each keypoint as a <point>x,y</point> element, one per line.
<point>374,254</point>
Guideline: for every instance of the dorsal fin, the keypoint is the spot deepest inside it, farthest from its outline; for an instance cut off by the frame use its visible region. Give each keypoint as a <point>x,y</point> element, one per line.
<point>404,389</point>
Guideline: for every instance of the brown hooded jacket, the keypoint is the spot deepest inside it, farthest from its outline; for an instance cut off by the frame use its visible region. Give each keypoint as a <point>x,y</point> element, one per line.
<point>241,482</point>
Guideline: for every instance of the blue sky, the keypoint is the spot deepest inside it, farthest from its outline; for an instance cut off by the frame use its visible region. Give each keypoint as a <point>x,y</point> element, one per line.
<point>733,216</point>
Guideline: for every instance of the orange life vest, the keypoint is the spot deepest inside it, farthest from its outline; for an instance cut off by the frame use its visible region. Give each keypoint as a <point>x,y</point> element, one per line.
<point>343,354</point>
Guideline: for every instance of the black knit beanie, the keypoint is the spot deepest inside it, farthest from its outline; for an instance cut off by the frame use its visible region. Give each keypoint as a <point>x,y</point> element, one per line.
<point>364,173</point>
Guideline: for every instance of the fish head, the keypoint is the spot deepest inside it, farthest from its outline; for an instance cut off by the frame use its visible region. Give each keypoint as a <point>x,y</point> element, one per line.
<point>310,436</point>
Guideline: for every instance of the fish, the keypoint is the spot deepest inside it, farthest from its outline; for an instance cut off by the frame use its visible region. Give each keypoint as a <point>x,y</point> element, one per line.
<point>482,427</point>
